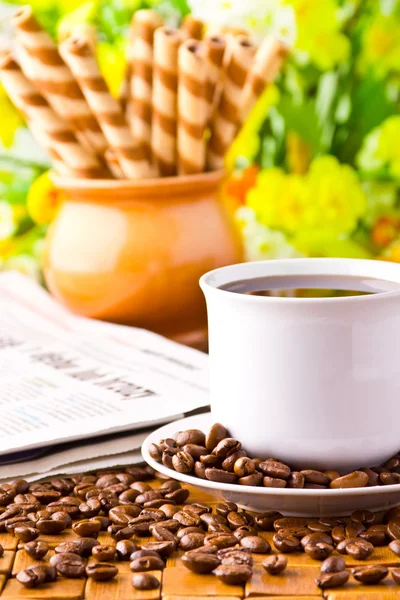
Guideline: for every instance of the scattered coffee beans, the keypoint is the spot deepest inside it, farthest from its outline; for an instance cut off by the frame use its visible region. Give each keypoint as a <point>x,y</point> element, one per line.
<point>233,574</point>
<point>101,571</point>
<point>332,580</point>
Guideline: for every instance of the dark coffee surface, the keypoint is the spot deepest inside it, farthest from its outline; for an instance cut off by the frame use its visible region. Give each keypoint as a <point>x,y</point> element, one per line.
<point>311,286</point>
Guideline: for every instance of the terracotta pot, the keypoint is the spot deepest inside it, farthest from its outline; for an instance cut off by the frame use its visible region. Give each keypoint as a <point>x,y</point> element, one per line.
<point>132,252</point>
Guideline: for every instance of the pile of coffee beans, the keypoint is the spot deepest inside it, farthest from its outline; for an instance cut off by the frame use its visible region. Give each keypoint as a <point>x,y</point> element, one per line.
<point>217,457</point>
<point>222,541</point>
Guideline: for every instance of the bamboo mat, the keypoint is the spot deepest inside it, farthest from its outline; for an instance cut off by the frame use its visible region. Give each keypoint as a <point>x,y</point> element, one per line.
<point>177,583</point>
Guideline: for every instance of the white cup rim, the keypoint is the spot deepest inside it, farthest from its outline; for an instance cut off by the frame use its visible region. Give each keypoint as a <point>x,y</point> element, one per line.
<point>212,281</point>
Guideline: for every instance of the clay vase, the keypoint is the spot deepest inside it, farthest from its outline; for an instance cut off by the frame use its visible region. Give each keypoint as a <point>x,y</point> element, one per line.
<point>132,252</point>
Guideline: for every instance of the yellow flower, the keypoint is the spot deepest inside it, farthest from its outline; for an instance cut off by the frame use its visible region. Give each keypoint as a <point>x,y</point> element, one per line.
<point>43,200</point>
<point>336,192</point>
<point>318,32</point>
<point>388,148</point>
<point>10,120</point>
<point>280,201</point>
<point>381,45</point>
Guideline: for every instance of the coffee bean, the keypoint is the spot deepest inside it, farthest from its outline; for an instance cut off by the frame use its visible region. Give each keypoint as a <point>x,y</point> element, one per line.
<point>149,495</point>
<point>395,547</point>
<point>124,549</point>
<point>37,549</point>
<point>68,565</point>
<point>300,532</point>
<point>289,523</point>
<point>200,470</point>
<point>164,549</point>
<point>86,528</point>
<point>296,480</point>
<point>365,517</point>
<point>178,496</point>
<point>33,576</point>
<point>373,478</point>
<point>118,533</point>
<point>274,469</point>
<point>50,527</point>
<point>244,466</point>
<point>275,483</point>
<point>221,540</point>
<point>128,497</point>
<point>170,524</point>
<point>376,538</point>
<point>252,480</point>
<point>209,460</point>
<point>162,534</point>
<point>390,478</point>
<point>333,564</point>
<point>190,436</point>
<point>318,527</point>
<point>275,564</point>
<point>215,435</point>
<point>265,521</point>
<point>167,443</point>
<point>236,520</point>
<point>195,451</point>
<point>371,574</point>
<point>145,581</point>
<point>256,544</point>
<point>332,474</point>
<point>198,508</point>
<point>235,556</point>
<point>147,563</point>
<point>396,575</point>
<point>332,580</point>
<point>104,553</point>
<point>183,462</point>
<point>315,538</point>
<point>190,541</point>
<point>155,452</point>
<point>224,508</point>
<point>220,476</point>
<point>352,480</point>
<point>81,546</point>
<point>228,463</point>
<point>393,530</point>
<point>62,516</point>
<point>233,574</point>
<point>315,477</point>
<point>244,531</point>
<point>26,534</point>
<point>200,563</point>
<point>359,549</point>
<point>226,447</point>
<point>101,571</point>
<point>318,551</point>
<point>286,543</point>
<point>187,519</point>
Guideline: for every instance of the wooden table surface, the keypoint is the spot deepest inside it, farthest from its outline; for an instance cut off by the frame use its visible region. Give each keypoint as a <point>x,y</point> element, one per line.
<point>177,583</point>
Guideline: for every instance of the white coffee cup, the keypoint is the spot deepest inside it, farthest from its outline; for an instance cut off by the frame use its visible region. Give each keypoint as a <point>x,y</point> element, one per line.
<point>314,382</point>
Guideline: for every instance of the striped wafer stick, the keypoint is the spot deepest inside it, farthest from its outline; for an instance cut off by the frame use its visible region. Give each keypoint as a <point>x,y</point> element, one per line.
<point>214,52</point>
<point>165,99</point>
<point>144,24</point>
<point>225,121</point>
<point>79,56</point>
<point>51,131</point>
<point>267,64</point>
<point>194,28</point>
<point>113,163</point>
<point>42,64</point>
<point>192,108</point>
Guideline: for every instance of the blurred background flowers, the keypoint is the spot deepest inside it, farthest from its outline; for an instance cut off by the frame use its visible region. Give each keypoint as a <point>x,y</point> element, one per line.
<point>315,170</point>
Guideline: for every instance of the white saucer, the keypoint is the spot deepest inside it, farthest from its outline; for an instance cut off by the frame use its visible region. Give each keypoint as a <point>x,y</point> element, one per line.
<point>302,503</point>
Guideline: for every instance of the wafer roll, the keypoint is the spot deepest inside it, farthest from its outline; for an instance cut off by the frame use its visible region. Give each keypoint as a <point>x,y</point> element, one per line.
<point>165,100</point>
<point>194,28</point>
<point>113,163</point>
<point>225,120</point>
<point>80,57</point>
<point>144,24</point>
<point>50,130</point>
<point>214,52</point>
<point>42,64</point>
<point>192,108</point>
<point>267,64</point>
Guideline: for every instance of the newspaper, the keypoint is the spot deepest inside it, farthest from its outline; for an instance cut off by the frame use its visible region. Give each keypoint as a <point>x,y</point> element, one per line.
<point>66,378</point>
